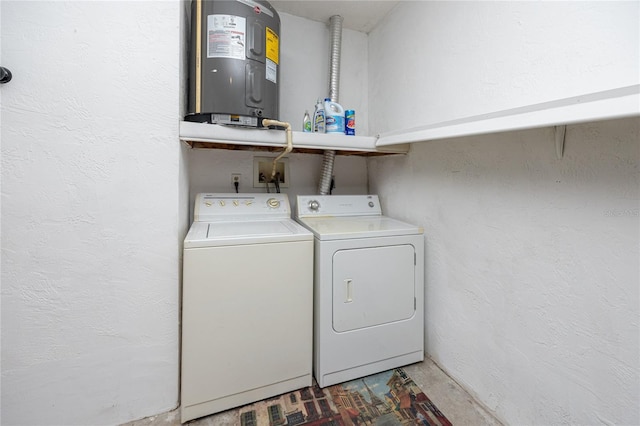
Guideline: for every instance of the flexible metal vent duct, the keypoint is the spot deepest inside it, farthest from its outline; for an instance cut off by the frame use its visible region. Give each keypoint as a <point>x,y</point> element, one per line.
<point>335,29</point>
<point>327,172</point>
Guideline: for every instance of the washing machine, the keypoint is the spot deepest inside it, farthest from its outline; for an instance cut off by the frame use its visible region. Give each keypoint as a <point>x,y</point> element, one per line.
<point>247,297</point>
<point>368,287</point>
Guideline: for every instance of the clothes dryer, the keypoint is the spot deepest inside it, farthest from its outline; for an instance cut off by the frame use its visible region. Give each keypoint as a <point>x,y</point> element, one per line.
<point>246,303</point>
<point>368,287</point>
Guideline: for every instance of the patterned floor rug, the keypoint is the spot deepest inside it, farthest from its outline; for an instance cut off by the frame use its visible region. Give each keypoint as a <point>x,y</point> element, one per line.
<point>384,399</point>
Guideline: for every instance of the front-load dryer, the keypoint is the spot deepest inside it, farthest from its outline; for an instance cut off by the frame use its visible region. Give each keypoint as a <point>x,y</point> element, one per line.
<point>247,294</point>
<point>368,287</point>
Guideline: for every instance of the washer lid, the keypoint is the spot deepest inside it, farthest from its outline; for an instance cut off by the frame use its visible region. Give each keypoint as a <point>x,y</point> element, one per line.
<point>337,228</point>
<point>211,234</point>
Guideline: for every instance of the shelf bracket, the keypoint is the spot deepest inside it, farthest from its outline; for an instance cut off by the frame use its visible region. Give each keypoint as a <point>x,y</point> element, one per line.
<point>560,136</point>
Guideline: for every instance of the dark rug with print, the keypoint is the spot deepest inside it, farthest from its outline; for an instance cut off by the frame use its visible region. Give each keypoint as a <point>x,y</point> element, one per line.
<point>387,398</point>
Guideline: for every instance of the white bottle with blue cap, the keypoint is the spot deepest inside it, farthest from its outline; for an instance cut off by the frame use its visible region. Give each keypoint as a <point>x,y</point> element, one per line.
<point>334,116</point>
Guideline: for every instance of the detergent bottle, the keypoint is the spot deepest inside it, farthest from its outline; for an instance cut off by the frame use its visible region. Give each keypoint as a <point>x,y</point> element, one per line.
<point>319,118</point>
<point>306,123</point>
<point>334,116</point>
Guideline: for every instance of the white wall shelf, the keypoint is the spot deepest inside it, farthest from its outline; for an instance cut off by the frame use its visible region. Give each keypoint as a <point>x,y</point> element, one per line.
<point>205,135</point>
<point>610,104</point>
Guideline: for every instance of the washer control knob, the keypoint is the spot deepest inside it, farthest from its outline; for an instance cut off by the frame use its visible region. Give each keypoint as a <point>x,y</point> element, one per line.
<point>236,203</point>
<point>274,203</point>
<point>371,204</point>
<point>221,203</point>
<point>314,205</point>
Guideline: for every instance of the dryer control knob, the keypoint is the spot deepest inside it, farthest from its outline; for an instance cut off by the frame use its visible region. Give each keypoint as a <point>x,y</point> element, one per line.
<point>314,205</point>
<point>274,203</point>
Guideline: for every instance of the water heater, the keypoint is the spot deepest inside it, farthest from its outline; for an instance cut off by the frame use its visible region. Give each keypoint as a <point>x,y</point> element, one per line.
<point>234,62</point>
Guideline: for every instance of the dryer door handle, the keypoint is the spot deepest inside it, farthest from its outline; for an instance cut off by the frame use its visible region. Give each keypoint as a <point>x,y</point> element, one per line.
<point>349,290</point>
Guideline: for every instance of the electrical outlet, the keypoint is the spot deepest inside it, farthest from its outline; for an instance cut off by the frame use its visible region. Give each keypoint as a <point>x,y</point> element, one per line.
<point>235,177</point>
<point>263,168</point>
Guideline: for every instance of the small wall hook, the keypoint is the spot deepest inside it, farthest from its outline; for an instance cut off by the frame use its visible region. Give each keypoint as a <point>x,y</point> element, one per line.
<point>5,75</point>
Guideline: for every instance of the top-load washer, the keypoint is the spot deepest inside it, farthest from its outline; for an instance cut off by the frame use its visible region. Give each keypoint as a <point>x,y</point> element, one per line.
<point>246,303</point>
<point>368,287</point>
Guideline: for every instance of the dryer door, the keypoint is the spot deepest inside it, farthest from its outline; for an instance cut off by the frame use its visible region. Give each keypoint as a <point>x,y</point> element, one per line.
<point>373,286</point>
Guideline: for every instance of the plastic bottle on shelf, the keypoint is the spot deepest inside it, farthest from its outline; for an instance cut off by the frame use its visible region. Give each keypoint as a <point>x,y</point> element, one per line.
<point>334,116</point>
<point>306,123</point>
<point>319,118</point>
<point>350,122</point>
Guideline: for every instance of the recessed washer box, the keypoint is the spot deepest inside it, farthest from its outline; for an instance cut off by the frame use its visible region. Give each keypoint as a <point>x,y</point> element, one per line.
<point>263,168</point>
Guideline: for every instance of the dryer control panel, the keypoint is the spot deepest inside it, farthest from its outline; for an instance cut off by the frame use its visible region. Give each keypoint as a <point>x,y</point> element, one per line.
<point>211,207</point>
<point>338,205</point>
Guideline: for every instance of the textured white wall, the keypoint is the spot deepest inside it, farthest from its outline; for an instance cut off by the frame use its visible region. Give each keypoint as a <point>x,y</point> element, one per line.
<point>531,262</point>
<point>305,70</point>
<point>438,60</point>
<point>91,222</point>
<point>532,267</point>
<point>210,171</point>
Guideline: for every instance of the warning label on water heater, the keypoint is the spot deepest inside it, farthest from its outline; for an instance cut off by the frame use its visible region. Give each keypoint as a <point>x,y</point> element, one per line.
<point>273,55</point>
<point>226,36</point>
<point>273,46</point>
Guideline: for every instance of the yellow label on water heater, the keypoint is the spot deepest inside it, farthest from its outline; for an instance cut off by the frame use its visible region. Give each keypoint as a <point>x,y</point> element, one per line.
<point>273,43</point>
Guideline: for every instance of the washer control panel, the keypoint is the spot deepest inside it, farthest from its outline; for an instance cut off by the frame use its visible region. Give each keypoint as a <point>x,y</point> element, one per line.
<point>210,207</point>
<point>338,205</point>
